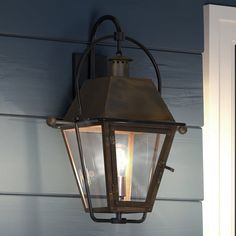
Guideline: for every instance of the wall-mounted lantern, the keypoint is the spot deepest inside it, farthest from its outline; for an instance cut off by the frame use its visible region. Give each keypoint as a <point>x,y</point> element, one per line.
<point>118,133</point>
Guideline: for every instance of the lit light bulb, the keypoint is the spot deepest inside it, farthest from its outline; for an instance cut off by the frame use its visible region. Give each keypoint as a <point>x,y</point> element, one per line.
<point>122,160</point>
<point>122,163</point>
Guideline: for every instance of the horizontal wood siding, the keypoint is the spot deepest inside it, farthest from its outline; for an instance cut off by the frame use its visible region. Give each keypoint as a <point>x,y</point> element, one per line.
<point>39,164</point>
<point>165,24</point>
<point>36,78</point>
<point>37,216</point>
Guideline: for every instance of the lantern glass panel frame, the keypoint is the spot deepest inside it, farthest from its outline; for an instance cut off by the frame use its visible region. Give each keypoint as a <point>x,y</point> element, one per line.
<point>108,129</point>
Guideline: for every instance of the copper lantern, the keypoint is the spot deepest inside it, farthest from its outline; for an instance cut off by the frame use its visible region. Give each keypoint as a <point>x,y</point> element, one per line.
<point>118,133</point>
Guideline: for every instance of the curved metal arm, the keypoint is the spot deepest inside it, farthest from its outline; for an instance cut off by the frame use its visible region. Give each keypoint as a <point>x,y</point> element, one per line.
<point>114,20</point>
<point>100,21</point>
<point>152,60</point>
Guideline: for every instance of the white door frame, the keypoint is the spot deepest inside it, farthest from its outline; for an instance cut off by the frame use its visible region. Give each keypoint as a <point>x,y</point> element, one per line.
<point>219,120</point>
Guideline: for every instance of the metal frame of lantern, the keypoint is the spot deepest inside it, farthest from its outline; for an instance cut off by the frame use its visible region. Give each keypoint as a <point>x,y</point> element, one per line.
<point>108,127</point>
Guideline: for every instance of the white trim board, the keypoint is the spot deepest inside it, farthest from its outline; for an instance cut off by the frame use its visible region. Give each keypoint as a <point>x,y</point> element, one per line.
<point>219,120</point>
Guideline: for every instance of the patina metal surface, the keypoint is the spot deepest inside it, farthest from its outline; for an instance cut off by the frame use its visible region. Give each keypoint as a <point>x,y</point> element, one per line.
<point>120,98</point>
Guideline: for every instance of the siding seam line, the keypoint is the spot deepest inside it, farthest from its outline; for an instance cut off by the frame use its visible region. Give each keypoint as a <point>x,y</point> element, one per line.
<point>73,41</point>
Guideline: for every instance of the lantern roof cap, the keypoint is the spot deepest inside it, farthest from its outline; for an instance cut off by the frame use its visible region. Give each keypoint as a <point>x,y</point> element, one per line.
<point>122,98</point>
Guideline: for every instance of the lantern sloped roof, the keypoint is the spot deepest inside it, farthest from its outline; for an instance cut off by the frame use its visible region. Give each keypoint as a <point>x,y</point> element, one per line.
<point>120,98</point>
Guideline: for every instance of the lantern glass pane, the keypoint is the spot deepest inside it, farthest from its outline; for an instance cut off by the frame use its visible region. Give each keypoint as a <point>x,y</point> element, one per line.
<point>73,152</point>
<point>92,145</point>
<point>92,148</point>
<point>137,154</point>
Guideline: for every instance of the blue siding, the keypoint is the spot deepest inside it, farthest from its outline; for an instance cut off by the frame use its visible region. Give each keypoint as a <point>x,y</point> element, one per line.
<point>36,79</point>
<point>39,158</point>
<point>39,82</point>
<point>165,24</point>
<point>64,216</point>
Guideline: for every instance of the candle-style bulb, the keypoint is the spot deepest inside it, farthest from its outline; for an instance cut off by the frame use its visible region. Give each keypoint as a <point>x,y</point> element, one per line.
<point>122,162</point>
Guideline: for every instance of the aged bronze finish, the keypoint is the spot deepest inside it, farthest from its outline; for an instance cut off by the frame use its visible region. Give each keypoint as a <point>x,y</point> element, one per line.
<point>117,104</point>
<point>127,98</point>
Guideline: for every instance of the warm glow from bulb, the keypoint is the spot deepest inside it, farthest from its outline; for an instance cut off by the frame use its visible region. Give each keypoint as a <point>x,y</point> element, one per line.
<point>122,159</point>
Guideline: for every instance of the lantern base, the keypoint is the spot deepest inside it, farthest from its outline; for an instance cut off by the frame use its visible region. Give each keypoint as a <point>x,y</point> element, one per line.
<point>118,219</point>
